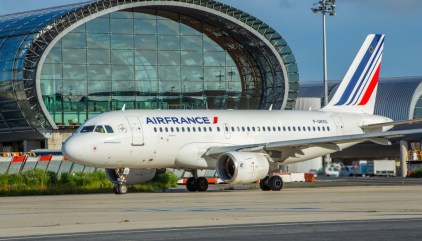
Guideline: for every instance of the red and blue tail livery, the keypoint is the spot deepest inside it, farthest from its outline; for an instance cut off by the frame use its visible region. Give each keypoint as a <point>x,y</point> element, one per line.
<point>357,91</point>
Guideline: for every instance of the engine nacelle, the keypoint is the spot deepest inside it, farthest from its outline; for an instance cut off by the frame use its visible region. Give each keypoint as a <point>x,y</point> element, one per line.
<point>242,167</point>
<point>135,176</point>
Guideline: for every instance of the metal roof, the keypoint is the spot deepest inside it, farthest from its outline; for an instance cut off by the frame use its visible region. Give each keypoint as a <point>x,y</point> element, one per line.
<point>396,97</point>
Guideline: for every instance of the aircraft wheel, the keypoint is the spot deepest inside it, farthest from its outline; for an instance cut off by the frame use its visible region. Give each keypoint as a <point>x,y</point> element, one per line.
<point>115,190</point>
<point>202,184</point>
<point>191,185</point>
<point>263,184</point>
<point>275,183</point>
<point>122,189</point>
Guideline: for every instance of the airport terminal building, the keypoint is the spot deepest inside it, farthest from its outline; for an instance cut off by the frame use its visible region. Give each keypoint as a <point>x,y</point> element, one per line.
<point>63,65</point>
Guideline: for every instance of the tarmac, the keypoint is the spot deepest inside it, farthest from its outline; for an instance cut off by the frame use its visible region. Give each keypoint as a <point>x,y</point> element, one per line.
<point>50,215</point>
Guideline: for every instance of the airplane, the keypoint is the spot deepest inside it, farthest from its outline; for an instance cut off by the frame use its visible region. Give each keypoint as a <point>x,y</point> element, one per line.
<point>244,146</point>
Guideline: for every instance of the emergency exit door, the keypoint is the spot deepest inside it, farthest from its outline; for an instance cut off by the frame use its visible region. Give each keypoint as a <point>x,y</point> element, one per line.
<point>136,129</point>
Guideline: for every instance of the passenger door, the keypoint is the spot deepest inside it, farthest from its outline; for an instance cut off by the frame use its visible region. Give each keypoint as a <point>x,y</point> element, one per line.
<point>136,129</point>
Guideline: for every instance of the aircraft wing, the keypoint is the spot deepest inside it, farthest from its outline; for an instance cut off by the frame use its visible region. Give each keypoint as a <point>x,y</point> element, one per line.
<point>331,142</point>
<point>392,123</point>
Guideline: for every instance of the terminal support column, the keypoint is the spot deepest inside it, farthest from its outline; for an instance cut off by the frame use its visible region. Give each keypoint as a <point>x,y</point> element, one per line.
<point>403,158</point>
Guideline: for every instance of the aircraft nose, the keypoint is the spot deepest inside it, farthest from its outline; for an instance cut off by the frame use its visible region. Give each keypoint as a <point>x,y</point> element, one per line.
<point>71,149</point>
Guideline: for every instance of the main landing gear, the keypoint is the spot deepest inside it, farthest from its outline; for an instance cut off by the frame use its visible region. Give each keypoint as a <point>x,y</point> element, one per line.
<point>196,184</point>
<point>121,187</point>
<point>273,183</point>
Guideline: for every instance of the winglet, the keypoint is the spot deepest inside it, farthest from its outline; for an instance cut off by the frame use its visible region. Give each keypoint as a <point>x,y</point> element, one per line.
<point>124,107</point>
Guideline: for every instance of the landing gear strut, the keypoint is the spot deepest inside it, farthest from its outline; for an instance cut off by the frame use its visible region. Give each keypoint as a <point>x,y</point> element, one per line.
<point>196,184</point>
<point>121,187</point>
<point>273,183</point>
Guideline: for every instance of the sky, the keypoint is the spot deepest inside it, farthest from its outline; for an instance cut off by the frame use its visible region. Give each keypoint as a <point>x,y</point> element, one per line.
<point>400,20</point>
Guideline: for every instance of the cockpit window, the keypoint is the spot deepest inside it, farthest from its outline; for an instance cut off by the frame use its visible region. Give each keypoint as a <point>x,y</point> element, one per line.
<point>100,129</point>
<point>109,129</point>
<point>86,129</point>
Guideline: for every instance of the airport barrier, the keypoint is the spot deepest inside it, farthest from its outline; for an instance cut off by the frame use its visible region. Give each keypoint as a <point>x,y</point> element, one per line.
<point>17,163</point>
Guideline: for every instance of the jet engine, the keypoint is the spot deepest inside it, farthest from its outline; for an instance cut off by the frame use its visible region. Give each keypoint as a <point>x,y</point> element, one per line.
<point>135,176</point>
<point>242,167</point>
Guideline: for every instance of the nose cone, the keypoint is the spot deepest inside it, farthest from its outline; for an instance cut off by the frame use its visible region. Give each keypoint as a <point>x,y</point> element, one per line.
<point>72,149</point>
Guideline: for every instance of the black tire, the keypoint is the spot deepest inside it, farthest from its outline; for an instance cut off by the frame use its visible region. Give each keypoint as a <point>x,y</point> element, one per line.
<point>202,184</point>
<point>115,189</point>
<point>275,183</point>
<point>191,185</point>
<point>122,189</point>
<point>263,184</point>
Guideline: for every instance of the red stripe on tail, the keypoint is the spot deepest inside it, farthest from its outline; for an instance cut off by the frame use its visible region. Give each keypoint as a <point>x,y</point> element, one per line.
<point>371,87</point>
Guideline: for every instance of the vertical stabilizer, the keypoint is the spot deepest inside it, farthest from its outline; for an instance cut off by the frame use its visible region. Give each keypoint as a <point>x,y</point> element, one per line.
<point>358,89</point>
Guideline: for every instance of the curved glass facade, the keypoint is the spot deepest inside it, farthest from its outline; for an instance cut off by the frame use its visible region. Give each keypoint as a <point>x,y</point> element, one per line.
<point>144,60</point>
<point>17,34</point>
<point>181,54</point>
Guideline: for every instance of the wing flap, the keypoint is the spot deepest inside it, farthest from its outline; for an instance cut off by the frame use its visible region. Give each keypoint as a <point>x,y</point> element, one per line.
<point>331,142</point>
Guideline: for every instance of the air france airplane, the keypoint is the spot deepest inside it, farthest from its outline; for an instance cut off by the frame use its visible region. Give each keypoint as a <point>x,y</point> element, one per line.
<point>244,146</point>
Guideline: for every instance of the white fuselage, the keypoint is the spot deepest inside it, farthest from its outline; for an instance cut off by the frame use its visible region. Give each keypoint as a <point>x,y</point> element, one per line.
<point>180,138</point>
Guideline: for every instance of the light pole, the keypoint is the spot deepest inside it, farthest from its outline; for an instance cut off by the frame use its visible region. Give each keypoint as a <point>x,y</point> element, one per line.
<point>325,6</point>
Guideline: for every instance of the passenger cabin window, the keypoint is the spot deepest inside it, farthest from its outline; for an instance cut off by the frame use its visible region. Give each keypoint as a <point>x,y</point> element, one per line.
<point>86,129</point>
<point>100,129</point>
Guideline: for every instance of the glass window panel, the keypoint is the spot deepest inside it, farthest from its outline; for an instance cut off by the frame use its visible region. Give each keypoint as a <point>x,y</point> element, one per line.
<point>6,75</point>
<point>123,57</point>
<point>74,56</point>
<point>99,72</point>
<point>147,86</point>
<point>97,87</point>
<point>122,14</point>
<point>192,73</point>
<point>11,115</point>
<point>146,73</point>
<point>51,71</point>
<point>121,41</point>
<point>146,41</point>
<point>169,57</point>
<point>168,42</point>
<point>187,30</point>
<point>147,14</point>
<point>7,106</point>
<point>210,45</point>
<point>171,87</point>
<point>98,56</point>
<point>79,29</point>
<point>215,58</point>
<point>74,72</point>
<point>121,72</point>
<point>98,41</point>
<point>168,73</point>
<point>167,27</point>
<point>74,88</point>
<point>191,43</point>
<point>145,26</point>
<point>98,25</point>
<point>74,40</point>
<point>21,123</point>
<point>193,87</point>
<point>8,55</point>
<point>13,43</point>
<point>121,86</point>
<point>55,56</point>
<point>124,26</point>
<point>146,102</point>
<point>146,57</point>
<point>194,58</point>
<point>214,74</point>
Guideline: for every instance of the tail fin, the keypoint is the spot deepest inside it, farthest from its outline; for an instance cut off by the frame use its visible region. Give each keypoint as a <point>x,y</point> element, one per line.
<point>358,89</point>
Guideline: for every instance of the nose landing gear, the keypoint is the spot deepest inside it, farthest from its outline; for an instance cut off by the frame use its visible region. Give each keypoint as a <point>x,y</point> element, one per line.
<point>121,187</point>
